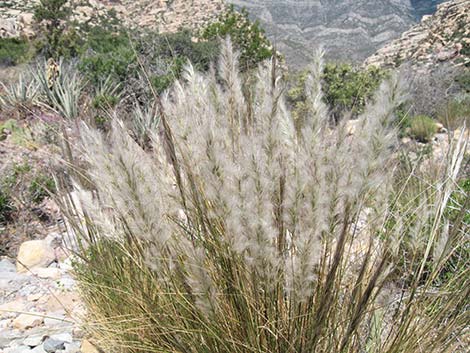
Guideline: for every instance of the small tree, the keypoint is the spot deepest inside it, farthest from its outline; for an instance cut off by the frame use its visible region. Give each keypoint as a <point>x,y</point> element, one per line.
<point>348,89</point>
<point>247,37</point>
<point>54,39</point>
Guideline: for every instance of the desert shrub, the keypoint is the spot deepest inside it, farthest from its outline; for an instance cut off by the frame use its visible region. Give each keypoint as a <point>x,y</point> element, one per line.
<point>40,187</point>
<point>22,187</point>
<point>15,131</point>
<point>429,92</point>
<point>247,36</point>
<point>346,90</point>
<point>7,207</point>
<point>237,233</point>
<point>14,51</point>
<point>164,55</point>
<point>106,54</point>
<point>422,128</point>
<point>55,36</point>
<point>456,112</point>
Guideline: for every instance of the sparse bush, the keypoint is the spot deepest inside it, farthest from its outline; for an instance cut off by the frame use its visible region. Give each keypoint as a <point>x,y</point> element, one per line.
<point>6,206</point>
<point>22,187</point>
<point>456,112</point>
<point>237,233</point>
<point>422,128</point>
<point>14,51</point>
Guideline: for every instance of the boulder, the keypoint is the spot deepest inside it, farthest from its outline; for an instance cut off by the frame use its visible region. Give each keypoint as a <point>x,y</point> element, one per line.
<point>87,347</point>
<point>27,321</point>
<point>33,254</point>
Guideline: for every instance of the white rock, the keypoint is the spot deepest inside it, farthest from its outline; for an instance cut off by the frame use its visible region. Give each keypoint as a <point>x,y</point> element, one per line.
<point>48,272</point>
<point>7,337</point>
<point>5,323</point>
<point>65,337</point>
<point>33,341</point>
<point>33,254</point>
<point>20,349</point>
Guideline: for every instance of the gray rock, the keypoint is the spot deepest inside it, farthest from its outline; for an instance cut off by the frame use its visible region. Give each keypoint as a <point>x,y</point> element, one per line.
<point>64,337</point>
<point>33,341</point>
<point>7,266</point>
<point>7,337</point>
<point>51,345</point>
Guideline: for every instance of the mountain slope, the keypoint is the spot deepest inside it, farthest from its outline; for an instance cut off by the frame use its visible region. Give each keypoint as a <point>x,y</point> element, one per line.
<point>163,15</point>
<point>443,37</point>
<point>347,29</point>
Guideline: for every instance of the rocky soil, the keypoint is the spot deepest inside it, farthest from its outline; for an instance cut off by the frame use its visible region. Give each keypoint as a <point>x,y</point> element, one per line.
<point>39,306</point>
<point>443,37</point>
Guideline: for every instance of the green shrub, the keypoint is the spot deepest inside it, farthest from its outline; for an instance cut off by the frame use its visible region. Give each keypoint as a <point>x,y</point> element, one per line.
<point>107,54</point>
<point>7,207</point>
<point>14,51</point>
<point>40,187</point>
<point>248,37</point>
<point>348,89</point>
<point>56,36</point>
<point>22,187</point>
<point>422,128</point>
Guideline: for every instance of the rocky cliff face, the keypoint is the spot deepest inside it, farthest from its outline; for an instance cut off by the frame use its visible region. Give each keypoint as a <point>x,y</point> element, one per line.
<point>163,15</point>
<point>442,37</point>
<point>348,29</point>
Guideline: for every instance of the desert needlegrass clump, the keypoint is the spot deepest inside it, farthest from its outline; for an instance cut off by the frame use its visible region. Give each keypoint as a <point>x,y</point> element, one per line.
<point>237,232</point>
<point>422,128</point>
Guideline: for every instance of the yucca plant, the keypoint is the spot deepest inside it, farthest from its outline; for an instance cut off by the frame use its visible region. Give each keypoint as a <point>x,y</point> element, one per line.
<point>237,233</point>
<point>62,89</point>
<point>144,123</point>
<point>21,94</point>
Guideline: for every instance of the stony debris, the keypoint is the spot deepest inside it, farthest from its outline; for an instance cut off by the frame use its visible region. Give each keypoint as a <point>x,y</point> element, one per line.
<point>40,310</point>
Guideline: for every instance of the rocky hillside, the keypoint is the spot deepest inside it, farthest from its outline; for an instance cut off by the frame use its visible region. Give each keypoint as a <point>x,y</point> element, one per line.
<point>164,15</point>
<point>347,29</point>
<point>443,37</point>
